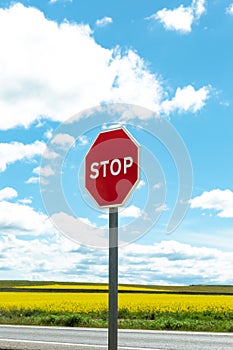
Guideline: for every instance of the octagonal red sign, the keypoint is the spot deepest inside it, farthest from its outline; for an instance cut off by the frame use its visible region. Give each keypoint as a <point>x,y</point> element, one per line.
<point>112,167</point>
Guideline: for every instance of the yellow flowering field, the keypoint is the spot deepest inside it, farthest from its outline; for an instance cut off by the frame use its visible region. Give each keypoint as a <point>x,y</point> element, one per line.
<point>175,302</point>
<point>97,302</point>
<point>72,302</point>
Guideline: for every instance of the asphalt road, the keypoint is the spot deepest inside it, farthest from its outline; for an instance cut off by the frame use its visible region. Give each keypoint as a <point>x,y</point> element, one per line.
<point>60,338</point>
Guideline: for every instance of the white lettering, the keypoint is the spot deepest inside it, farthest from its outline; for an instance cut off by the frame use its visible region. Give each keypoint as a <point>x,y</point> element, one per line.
<point>96,171</point>
<point>113,172</point>
<point>128,162</point>
<point>104,163</point>
<point>113,167</point>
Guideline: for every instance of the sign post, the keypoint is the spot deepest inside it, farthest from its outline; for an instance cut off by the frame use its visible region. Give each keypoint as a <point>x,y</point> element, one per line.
<point>113,279</point>
<point>111,174</point>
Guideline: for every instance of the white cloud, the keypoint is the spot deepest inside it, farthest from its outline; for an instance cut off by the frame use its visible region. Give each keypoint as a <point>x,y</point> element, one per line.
<point>103,21</point>
<point>199,7</point>
<point>51,70</point>
<point>180,19</point>
<point>229,10</point>
<point>167,262</point>
<point>219,200</point>
<point>80,229</point>
<point>104,215</point>
<point>22,219</point>
<point>161,208</point>
<point>8,193</point>
<point>46,171</point>
<point>56,70</point>
<point>53,258</point>
<point>157,186</point>
<point>172,250</point>
<point>172,262</point>
<point>87,222</point>
<point>63,141</point>
<point>32,180</point>
<point>128,212</point>
<point>48,154</point>
<point>134,84</point>
<point>187,100</point>
<point>83,140</point>
<point>25,201</point>
<point>15,151</point>
<point>48,134</point>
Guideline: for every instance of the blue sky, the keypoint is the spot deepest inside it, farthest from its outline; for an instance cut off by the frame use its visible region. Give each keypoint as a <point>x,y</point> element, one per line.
<point>174,61</point>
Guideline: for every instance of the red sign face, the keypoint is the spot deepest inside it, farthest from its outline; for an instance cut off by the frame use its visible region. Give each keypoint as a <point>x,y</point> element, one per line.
<point>112,167</point>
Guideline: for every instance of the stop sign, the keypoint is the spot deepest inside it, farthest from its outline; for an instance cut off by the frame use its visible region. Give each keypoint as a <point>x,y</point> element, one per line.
<point>112,167</point>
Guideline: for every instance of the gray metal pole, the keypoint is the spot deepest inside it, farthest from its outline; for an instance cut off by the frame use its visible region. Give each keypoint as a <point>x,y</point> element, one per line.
<point>113,279</point>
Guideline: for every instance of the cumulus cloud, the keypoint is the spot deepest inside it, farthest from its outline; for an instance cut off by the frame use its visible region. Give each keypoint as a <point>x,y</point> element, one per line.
<point>229,10</point>
<point>172,250</point>
<point>46,171</point>
<point>25,201</point>
<point>48,154</point>
<point>32,180</point>
<point>53,258</point>
<point>180,263</point>
<point>80,229</point>
<point>51,70</point>
<point>15,151</point>
<point>83,140</point>
<point>219,200</point>
<point>161,208</point>
<point>128,212</point>
<point>63,141</point>
<point>167,262</point>
<point>55,70</point>
<point>157,186</point>
<point>187,100</point>
<point>48,134</point>
<point>8,193</point>
<point>180,19</point>
<point>22,219</point>
<point>103,21</point>
<point>19,218</point>
<point>199,7</point>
